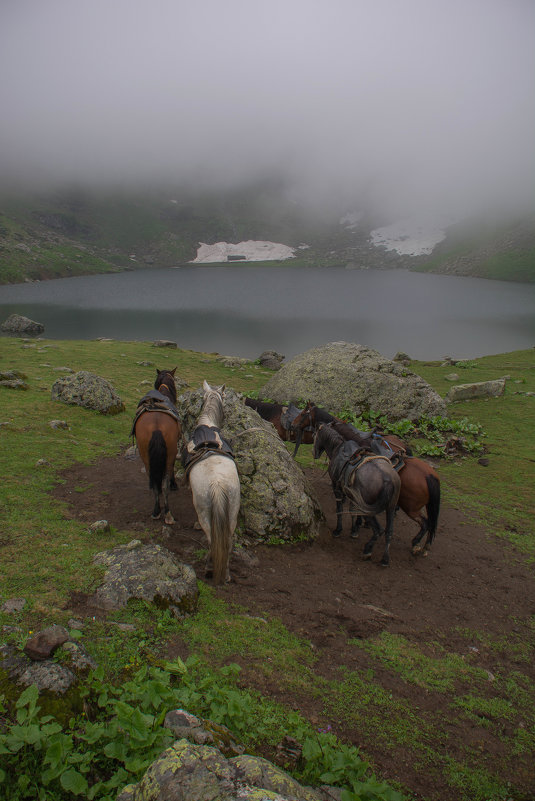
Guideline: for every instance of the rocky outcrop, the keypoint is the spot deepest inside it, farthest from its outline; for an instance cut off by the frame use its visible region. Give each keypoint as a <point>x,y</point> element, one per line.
<point>277,501</point>
<point>146,572</point>
<point>191,772</point>
<point>88,390</point>
<point>18,324</point>
<point>343,376</point>
<point>271,359</point>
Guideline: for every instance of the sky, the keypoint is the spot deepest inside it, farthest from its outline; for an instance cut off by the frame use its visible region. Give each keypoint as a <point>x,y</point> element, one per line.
<point>408,105</point>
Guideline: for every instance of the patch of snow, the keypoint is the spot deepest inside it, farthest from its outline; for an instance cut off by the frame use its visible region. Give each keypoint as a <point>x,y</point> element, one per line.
<point>252,250</point>
<point>351,220</point>
<point>409,237</point>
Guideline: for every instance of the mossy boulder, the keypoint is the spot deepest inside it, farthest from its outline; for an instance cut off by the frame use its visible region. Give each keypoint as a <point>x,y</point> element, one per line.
<point>88,390</point>
<point>342,376</point>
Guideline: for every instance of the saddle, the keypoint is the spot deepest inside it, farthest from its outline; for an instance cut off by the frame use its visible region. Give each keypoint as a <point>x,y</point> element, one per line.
<point>154,401</point>
<point>205,441</point>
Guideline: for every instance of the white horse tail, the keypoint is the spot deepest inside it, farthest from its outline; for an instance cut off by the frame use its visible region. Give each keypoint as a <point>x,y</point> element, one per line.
<point>222,532</point>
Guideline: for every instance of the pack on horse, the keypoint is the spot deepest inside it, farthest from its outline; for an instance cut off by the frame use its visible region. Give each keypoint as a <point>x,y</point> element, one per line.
<point>156,429</point>
<point>419,490</point>
<point>313,416</point>
<point>215,485</point>
<point>282,417</point>
<point>369,482</point>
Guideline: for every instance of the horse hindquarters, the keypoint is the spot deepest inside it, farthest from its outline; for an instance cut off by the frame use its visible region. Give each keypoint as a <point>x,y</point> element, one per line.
<point>215,489</point>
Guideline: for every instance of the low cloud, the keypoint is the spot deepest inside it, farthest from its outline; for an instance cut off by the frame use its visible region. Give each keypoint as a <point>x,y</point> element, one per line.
<point>401,105</point>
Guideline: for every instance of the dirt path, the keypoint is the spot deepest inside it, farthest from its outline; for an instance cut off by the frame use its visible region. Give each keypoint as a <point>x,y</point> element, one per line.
<point>325,592</point>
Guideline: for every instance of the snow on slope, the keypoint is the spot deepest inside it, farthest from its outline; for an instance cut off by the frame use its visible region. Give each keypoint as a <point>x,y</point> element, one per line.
<point>252,250</point>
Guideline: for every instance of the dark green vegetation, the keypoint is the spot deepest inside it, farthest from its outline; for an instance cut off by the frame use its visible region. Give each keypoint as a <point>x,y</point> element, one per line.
<point>120,731</point>
<point>77,232</point>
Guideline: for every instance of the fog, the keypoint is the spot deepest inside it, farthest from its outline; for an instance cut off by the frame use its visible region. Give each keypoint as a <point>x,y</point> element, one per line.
<point>410,105</point>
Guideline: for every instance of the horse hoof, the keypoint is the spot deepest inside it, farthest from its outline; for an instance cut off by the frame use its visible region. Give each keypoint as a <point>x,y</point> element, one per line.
<point>366,556</point>
<point>417,549</point>
<point>156,517</point>
<point>384,564</point>
<point>169,519</point>
<point>335,533</point>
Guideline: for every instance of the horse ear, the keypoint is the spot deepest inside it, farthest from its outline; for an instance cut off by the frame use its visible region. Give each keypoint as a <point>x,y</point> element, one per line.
<point>206,386</point>
<point>222,389</point>
<point>173,371</point>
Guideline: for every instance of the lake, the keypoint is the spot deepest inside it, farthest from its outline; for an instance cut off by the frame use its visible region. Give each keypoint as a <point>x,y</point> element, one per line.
<point>244,310</point>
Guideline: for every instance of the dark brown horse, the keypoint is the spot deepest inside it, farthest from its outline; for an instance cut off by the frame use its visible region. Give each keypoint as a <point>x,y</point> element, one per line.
<point>282,418</point>
<point>313,416</point>
<point>369,482</point>
<point>157,429</point>
<point>420,489</point>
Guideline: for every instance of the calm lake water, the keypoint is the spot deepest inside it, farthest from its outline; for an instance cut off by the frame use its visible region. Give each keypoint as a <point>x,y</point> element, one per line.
<point>243,311</point>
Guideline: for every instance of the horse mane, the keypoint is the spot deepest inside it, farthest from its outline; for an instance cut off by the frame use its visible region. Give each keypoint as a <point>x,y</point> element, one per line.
<point>327,436</point>
<point>319,415</point>
<point>212,412</point>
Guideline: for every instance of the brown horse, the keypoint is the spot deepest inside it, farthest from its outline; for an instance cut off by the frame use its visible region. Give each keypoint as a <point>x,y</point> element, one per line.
<point>419,490</point>
<point>282,417</point>
<point>313,416</point>
<point>157,429</point>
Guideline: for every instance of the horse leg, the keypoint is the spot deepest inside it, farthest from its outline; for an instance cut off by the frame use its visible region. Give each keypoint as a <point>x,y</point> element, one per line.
<point>339,506</point>
<point>389,529</point>
<point>416,547</point>
<point>356,522</point>
<point>376,533</point>
<point>168,517</point>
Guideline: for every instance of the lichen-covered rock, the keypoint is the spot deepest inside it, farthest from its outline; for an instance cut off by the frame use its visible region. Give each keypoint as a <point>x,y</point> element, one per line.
<point>146,572</point>
<point>88,390</point>
<point>18,324</point>
<point>190,772</point>
<point>479,389</point>
<point>343,376</point>
<point>277,501</point>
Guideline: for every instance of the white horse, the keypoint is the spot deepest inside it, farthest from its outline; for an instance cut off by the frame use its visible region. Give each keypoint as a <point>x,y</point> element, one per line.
<point>215,487</point>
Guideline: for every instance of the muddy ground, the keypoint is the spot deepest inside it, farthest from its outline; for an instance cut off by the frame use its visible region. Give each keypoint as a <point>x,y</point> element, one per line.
<point>324,592</point>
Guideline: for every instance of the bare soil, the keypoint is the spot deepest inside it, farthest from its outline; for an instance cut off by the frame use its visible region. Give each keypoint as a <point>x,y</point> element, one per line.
<point>325,592</point>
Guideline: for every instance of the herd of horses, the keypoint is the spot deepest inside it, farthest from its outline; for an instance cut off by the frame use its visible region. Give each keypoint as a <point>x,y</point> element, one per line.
<point>375,472</point>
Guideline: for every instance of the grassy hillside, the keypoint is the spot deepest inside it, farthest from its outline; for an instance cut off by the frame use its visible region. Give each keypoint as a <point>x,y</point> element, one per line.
<point>499,496</point>
<point>76,232</point>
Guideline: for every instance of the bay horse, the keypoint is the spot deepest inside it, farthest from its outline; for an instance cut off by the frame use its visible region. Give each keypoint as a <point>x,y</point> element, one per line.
<point>156,429</point>
<point>369,482</point>
<point>214,482</point>
<point>313,416</point>
<point>282,417</point>
<point>419,490</point>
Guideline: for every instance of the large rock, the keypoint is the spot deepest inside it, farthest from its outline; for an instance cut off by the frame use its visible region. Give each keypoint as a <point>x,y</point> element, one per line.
<point>190,772</point>
<point>277,501</point>
<point>88,390</point>
<point>18,324</point>
<point>342,376</point>
<point>149,573</point>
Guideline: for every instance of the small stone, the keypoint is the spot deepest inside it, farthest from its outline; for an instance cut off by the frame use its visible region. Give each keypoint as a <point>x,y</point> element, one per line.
<point>13,605</point>
<point>99,527</point>
<point>43,645</point>
<point>57,424</point>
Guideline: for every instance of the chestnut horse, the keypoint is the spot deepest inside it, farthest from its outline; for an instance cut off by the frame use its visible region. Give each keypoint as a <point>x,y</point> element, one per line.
<point>157,429</point>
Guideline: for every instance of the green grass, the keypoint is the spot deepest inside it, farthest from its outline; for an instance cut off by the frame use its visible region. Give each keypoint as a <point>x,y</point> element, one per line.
<point>371,702</point>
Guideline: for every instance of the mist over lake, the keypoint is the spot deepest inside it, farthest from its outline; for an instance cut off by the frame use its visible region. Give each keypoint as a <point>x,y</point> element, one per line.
<point>242,311</point>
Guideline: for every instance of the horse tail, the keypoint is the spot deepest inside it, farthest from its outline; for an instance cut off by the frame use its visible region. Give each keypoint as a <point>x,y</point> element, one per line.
<point>157,460</point>
<point>221,531</point>
<point>433,506</point>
